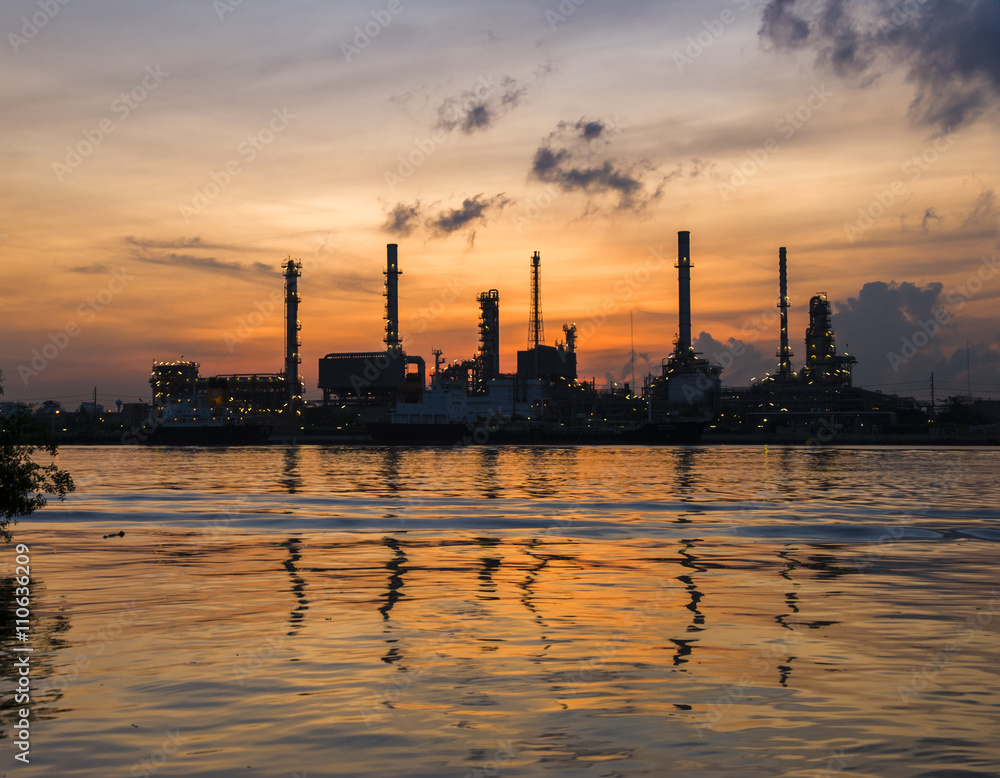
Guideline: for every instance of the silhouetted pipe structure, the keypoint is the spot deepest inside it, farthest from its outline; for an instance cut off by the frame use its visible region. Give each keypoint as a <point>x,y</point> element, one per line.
<point>392,273</point>
<point>784,350</point>
<point>570,330</point>
<point>489,335</point>
<point>823,364</point>
<point>535,328</point>
<point>293,269</point>
<point>684,291</point>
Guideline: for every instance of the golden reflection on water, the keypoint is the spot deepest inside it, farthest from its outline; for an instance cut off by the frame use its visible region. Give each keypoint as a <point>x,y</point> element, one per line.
<point>654,643</point>
<point>409,656</point>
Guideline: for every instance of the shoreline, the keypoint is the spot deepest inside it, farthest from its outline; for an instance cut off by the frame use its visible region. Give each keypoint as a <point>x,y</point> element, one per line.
<point>707,441</point>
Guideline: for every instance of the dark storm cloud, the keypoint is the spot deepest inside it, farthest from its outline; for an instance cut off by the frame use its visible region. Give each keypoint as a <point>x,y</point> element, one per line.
<point>590,130</point>
<point>781,26</point>
<point>948,49</point>
<point>479,109</point>
<point>900,332</point>
<point>567,158</point>
<point>402,219</point>
<point>473,210</point>
<point>876,323</point>
<point>740,360</point>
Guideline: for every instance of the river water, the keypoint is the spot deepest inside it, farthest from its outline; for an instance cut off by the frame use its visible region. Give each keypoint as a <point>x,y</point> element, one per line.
<point>366,611</point>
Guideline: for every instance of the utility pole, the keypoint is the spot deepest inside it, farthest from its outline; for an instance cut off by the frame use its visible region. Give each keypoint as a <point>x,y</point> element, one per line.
<point>968,370</point>
<point>932,395</point>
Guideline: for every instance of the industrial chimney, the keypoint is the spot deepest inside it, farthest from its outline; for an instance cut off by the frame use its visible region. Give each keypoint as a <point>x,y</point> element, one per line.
<point>684,291</point>
<point>392,273</point>
<point>293,269</point>
<point>784,350</point>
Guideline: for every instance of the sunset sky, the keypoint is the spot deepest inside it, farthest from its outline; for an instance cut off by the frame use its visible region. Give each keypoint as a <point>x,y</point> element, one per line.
<point>160,161</point>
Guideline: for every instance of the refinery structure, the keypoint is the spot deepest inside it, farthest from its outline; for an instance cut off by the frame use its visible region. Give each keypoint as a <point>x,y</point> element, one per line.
<point>398,400</point>
<point>234,408</point>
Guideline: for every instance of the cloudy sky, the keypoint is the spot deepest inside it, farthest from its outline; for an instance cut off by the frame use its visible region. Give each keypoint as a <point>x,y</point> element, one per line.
<point>160,160</point>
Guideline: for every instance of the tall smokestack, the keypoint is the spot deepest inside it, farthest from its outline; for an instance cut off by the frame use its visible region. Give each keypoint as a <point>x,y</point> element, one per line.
<point>684,290</point>
<point>392,273</point>
<point>293,269</point>
<point>784,351</point>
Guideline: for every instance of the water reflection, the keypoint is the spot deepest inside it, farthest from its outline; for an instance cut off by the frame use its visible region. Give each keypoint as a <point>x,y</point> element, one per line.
<point>391,459</point>
<point>823,466</point>
<point>489,473</point>
<point>396,570</point>
<point>689,560</point>
<point>46,638</point>
<point>592,671</point>
<point>298,614</point>
<point>291,479</point>
<point>686,473</point>
<point>490,564</point>
<point>532,575</point>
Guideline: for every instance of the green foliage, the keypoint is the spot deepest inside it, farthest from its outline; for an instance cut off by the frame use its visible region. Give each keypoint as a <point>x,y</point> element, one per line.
<point>25,483</point>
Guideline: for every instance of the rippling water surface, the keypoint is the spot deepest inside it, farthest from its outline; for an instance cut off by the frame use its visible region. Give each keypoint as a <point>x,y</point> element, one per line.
<point>577,611</point>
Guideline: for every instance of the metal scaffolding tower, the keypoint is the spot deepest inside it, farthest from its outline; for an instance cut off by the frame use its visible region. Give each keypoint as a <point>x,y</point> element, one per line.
<point>536,333</point>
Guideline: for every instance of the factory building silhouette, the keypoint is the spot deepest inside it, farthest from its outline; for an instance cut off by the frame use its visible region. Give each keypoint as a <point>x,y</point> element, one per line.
<point>233,408</point>
<point>544,400</point>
